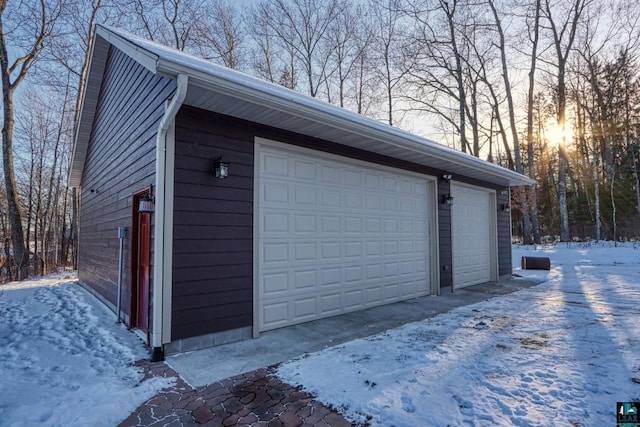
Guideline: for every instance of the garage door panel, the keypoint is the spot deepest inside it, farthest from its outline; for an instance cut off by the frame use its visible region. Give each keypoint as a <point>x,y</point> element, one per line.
<point>373,202</point>
<point>304,196</point>
<point>331,304</point>
<point>374,295</point>
<point>304,308</point>
<point>275,253</point>
<point>334,237</point>
<point>331,250</point>
<point>274,165</point>
<point>276,284</point>
<point>471,235</point>
<point>330,199</point>
<point>392,292</point>
<point>329,174</point>
<point>354,299</point>
<point>304,279</point>
<point>275,314</point>
<point>304,170</point>
<point>274,223</point>
<point>330,277</point>
<point>373,271</point>
<point>352,178</point>
<point>304,251</point>
<point>275,193</point>
<point>330,224</point>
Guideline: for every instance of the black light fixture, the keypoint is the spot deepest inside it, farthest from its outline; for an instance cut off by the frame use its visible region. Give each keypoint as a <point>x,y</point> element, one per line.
<point>506,207</point>
<point>447,199</point>
<point>145,205</point>
<point>446,177</point>
<point>220,168</point>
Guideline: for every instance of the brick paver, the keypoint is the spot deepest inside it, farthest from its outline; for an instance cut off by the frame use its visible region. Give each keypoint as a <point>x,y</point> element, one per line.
<point>254,399</point>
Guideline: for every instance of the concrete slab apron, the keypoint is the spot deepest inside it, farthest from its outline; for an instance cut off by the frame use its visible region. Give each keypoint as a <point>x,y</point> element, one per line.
<point>202,367</point>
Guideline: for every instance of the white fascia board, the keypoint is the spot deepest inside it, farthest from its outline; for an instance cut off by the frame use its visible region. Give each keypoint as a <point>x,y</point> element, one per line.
<point>144,57</point>
<point>88,104</point>
<point>261,93</point>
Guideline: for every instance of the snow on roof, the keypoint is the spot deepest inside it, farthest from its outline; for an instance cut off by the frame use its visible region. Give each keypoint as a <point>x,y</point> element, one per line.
<point>226,91</point>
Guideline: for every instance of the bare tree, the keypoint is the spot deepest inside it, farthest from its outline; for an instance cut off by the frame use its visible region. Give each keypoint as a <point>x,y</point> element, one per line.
<point>302,26</point>
<point>502,46</point>
<point>363,78</point>
<point>437,72</point>
<point>389,49</point>
<point>219,35</point>
<point>70,51</point>
<point>272,58</point>
<point>534,32</point>
<point>25,30</point>
<point>563,20</point>
<point>607,77</point>
<point>170,22</point>
<point>344,35</point>
<point>450,9</point>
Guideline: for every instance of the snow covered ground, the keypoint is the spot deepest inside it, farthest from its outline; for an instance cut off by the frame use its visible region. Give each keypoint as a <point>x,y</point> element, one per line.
<point>63,360</point>
<point>560,353</point>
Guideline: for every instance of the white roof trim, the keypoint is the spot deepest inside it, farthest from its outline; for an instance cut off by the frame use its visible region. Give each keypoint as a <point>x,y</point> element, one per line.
<point>147,59</point>
<point>217,79</point>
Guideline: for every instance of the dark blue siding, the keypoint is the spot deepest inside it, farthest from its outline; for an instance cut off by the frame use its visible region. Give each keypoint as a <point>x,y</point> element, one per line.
<point>120,161</point>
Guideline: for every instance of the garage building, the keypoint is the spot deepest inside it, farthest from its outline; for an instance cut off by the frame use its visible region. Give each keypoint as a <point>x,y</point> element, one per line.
<point>242,206</point>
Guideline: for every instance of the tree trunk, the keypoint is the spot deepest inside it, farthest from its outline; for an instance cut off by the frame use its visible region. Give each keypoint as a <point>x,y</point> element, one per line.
<point>533,197</point>
<point>613,208</point>
<point>450,12</point>
<point>20,254</point>
<point>634,153</point>
<point>526,223</point>
<point>34,38</point>
<point>562,195</point>
<point>563,48</point>
<point>596,192</point>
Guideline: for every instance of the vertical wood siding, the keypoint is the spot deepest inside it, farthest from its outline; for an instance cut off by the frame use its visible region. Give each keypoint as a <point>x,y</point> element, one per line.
<point>120,160</point>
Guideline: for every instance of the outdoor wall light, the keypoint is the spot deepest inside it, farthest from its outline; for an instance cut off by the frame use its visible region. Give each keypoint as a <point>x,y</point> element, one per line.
<point>447,199</point>
<point>145,205</point>
<point>506,207</point>
<point>446,177</point>
<point>220,168</point>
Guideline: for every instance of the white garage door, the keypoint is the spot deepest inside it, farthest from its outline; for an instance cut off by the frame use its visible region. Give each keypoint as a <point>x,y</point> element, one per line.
<point>472,230</point>
<point>335,236</point>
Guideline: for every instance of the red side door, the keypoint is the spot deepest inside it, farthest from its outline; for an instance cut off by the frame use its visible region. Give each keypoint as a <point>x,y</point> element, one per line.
<point>144,255</point>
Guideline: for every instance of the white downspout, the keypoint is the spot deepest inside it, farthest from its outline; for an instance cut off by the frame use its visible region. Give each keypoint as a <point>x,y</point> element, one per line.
<point>159,224</point>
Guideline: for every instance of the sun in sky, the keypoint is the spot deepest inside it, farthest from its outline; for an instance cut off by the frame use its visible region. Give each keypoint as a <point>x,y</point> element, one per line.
<point>555,135</point>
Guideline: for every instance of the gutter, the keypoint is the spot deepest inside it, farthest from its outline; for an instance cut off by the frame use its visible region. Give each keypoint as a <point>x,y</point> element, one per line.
<point>159,244</point>
<point>252,91</point>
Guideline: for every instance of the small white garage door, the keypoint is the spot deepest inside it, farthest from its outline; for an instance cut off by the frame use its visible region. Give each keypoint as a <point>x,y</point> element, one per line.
<point>473,230</point>
<point>336,235</point>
